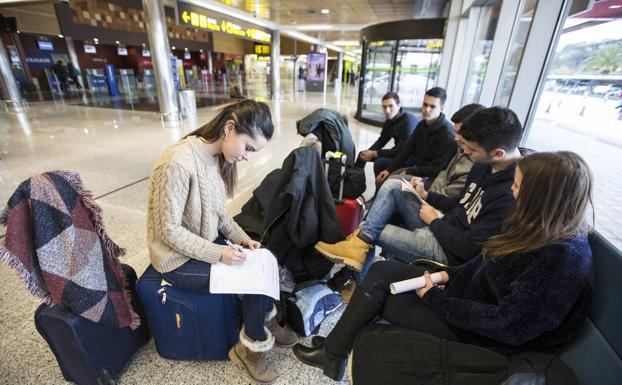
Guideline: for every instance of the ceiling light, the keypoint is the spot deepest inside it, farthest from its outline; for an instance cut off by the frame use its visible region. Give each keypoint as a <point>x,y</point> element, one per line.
<point>185,49</point>
<point>173,47</point>
<point>144,44</point>
<point>325,11</point>
<point>200,50</point>
<point>346,42</point>
<point>61,36</point>
<point>117,41</point>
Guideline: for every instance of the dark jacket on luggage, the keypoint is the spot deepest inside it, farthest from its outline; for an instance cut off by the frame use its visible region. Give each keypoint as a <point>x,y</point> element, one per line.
<point>294,206</point>
<point>432,145</point>
<point>331,128</point>
<point>400,128</point>
<point>477,213</point>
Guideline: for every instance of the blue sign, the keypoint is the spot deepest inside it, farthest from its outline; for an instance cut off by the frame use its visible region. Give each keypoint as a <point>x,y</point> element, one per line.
<point>38,59</point>
<point>111,79</point>
<point>45,45</point>
<point>175,73</point>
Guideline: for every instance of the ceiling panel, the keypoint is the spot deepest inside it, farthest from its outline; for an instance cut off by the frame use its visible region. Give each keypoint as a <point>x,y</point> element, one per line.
<point>290,12</point>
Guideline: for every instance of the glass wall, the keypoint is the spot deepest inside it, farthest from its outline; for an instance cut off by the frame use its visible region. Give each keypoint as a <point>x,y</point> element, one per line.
<point>416,69</point>
<point>515,52</point>
<point>377,77</point>
<point>580,110</point>
<point>487,25</point>
<point>408,67</point>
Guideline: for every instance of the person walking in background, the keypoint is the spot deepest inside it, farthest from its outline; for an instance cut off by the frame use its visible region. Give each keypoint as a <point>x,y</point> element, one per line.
<point>74,74</point>
<point>60,71</point>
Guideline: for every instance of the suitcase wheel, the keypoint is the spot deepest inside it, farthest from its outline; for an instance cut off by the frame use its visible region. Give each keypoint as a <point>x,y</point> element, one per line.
<point>106,378</point>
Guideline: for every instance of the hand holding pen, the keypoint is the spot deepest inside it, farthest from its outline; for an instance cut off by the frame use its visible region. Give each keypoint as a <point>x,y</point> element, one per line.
<point>232,254</point>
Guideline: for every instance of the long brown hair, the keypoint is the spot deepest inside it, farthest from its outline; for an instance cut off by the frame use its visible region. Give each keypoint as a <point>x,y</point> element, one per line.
<point>554,194</point>
<point>251,118</point>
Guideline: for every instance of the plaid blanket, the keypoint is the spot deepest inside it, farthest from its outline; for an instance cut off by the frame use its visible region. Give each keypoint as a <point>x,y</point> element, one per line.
<point>56,242</point>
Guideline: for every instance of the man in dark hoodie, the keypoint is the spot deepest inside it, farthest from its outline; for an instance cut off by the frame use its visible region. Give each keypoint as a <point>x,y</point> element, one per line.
<point>491,138</point>
<point>431,146</point>
<point>399,126</point>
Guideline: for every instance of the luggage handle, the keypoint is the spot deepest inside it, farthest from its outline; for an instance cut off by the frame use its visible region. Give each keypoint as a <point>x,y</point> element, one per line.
<point>342,157</point>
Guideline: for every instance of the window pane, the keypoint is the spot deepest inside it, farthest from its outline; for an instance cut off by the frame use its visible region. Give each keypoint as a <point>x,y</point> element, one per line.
<point>581,110</point>
<point>487,25</point>
<point>416,70</point>
<point>377,77</point>
<point>515,52</point>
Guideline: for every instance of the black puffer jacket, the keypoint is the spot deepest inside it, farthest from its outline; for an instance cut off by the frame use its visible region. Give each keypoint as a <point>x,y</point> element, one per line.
<point>293,207</point>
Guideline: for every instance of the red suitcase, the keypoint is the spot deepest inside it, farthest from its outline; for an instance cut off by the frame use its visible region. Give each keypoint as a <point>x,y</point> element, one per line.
<point>350,211</point>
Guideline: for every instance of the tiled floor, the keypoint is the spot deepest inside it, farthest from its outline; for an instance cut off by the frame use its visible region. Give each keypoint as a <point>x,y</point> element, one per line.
<point>113,151</point>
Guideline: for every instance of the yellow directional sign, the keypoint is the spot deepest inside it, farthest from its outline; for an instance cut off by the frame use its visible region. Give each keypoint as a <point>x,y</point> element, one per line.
<point>198,17</point>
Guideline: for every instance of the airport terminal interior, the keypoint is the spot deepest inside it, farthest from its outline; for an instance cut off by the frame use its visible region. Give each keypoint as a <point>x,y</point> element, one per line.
<point>146,73</point>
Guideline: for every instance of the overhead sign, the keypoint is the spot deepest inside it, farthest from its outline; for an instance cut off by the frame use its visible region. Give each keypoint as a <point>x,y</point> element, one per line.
<point>90,48</point>
<point>45,45</point>
<point>262,49</point>
<point>198,17</point>
<point>38,59</point>
<point>122,51</point>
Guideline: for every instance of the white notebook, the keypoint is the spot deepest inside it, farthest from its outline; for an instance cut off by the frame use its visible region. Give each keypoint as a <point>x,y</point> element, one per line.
<point>406,186</point>
<point>259,274</point>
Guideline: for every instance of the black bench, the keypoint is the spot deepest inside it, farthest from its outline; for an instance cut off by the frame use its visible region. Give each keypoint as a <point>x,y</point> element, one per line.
<point>596,353</point>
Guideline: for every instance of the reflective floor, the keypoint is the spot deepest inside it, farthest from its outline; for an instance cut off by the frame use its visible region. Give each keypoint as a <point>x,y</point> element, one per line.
<point>113,150</point>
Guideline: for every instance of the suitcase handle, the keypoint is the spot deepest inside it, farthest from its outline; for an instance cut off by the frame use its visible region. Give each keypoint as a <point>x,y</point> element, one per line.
<point>342,157</point>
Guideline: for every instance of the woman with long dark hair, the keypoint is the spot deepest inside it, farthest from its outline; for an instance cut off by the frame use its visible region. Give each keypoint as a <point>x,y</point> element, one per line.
<point>188,220</point>
<point>529,290</point>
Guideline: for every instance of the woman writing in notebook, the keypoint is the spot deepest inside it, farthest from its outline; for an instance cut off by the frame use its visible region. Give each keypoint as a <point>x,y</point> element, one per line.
<point>188,220</point>
<point>529,290</point>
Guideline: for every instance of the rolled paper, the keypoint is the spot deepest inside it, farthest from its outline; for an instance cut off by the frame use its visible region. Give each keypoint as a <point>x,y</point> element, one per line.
<point>413,283</point>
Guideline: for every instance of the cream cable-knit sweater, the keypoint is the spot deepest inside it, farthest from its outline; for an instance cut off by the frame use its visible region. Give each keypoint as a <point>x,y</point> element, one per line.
<point>186,207</point>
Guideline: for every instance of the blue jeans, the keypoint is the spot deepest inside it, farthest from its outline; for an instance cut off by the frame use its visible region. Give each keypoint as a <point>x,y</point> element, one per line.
<point>406,244</point>
<point>194,275</point>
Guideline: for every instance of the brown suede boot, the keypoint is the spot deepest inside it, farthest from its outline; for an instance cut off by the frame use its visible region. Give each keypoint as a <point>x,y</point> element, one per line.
<point>351,252</point>
<point>252,355</point>
<point>283,336</point>
<point>347,290</point>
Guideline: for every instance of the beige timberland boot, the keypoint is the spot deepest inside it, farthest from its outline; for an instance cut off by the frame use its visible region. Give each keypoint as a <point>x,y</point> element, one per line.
<point>351,252</point>
<point>252,355</point>
<point>283,336</point>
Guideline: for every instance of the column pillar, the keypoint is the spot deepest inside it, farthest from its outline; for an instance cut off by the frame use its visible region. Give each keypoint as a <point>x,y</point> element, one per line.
<point>275,68</point>
<point>161,58</point>
<point>10,91</point>
<point>339,79</point>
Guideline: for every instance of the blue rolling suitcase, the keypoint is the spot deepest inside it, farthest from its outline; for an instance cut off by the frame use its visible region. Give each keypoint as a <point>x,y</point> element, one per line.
<point>89,353</point>
<point>188,325</point>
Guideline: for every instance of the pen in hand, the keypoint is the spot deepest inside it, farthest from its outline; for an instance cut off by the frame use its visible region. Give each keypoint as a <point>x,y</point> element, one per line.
<point>233,246</point>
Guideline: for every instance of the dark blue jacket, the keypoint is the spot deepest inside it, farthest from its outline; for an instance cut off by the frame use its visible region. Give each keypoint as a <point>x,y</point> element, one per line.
<point>399,129</point>
<point>534,301</point>
<point>476,215</point>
